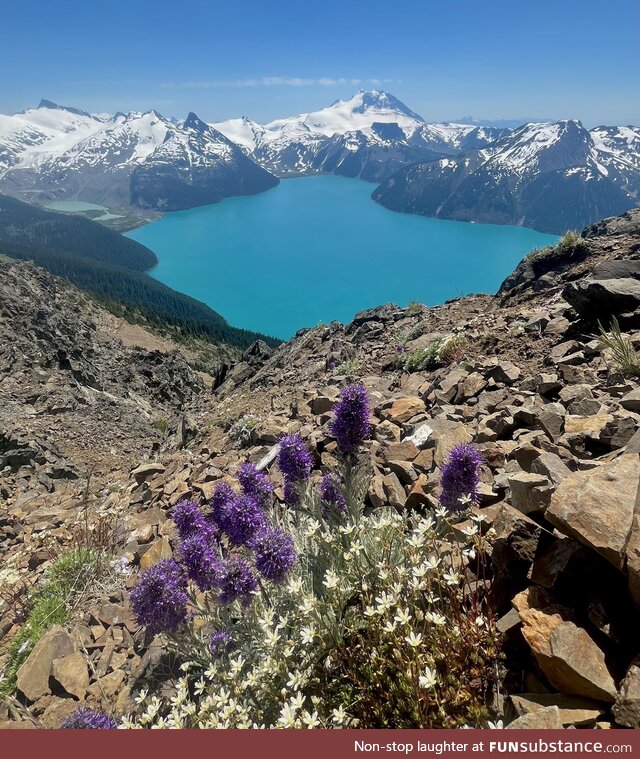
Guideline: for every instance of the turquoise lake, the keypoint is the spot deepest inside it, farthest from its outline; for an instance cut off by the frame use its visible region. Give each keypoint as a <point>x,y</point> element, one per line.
<point>315,249</point>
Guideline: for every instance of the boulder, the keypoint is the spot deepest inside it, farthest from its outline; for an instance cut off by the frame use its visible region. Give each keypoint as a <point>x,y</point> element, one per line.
<point>572,710</point>
<point>421,436</point>
<point>159,550</point>
<point>603,298</point>
<point>405,451</point>
<point>146,471</point>
<point>450,439</point>
<point>72,673</point>
<point>545,718</point>
<point>631,401</point>
<point>597,507</point>
<point>404,409</point>
<point>626,709</point>
<point>530,492</point>
<point>552,466</point>
<point>33,675</point>
<point>394,491</point>
<point>567,655</point>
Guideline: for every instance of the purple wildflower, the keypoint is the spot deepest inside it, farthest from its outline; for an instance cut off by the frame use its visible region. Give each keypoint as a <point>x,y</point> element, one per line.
<point>350,426</point>
<point>223,496</point>
<point>88,719</point>
<point>255,484</point>
<point>294,458</point>
<point>460,476</point>
<point>292,491</point>
<point>275,554</point>
<point>294,461</point>
<point>330,494</point>
<point>159,600</point>
<point>191,521</point>
<point>220,641</point>
<point>236,581</point>
<point>244,520</point>
<point>200,561</point>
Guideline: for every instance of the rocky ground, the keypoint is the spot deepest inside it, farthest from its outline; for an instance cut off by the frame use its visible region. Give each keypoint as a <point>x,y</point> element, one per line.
<point>556,419</point>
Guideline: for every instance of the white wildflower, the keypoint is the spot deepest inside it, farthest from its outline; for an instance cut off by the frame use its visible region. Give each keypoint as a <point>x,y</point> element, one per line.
<point>428,679</point>
<point>403,617</point>
<point>413,639</point>
<point>331,579</point>
<point>307,634</point>
<point>311,720</point>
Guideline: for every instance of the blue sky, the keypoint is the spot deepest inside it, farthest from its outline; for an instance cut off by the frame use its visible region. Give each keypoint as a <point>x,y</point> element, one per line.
<point>489,58</point>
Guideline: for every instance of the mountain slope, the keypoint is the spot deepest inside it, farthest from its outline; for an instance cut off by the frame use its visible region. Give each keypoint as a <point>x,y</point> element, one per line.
<point>136,159</point>
<point>549,176</point>
<point>110,267</point>
<point>27,225</point>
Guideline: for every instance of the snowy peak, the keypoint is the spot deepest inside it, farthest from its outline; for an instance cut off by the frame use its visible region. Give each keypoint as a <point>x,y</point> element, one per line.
<point>193,122</point>
<point>379,100</point>
<point>359,112</point>
<point>49,105</point>
<point>244,132</point>
<point>541,147</point>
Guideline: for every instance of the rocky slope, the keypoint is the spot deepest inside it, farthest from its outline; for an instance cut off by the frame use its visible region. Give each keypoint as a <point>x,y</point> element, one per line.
<point>549,176</point>
<point>556,420</point>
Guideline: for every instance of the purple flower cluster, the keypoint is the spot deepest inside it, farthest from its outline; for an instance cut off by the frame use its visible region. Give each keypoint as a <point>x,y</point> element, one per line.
<point>220,641</point>
<point>295,462</point>
<point>236,582</point>
<point>255,484</point>
<point>200,561</point>
<point>88,719</point>
<point>189,521</point>
<point>350,426</point>
<point>159,600</point>
<point>223,496</point>
<point>275,554</point>
<point>460,476</point>
<point>245,519</point>
<point>331,495</point>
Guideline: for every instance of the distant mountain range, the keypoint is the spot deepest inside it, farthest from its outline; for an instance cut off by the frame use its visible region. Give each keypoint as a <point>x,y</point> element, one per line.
<point>140,160</point>
<point>369,136</point>
<point>547,175</point>
<point>550,176</point>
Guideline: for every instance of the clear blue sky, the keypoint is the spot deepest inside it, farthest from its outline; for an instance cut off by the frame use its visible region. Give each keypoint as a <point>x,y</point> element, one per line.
<point>487,58</point>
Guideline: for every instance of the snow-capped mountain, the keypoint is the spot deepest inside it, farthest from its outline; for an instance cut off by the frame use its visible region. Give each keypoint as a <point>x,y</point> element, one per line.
<point>134,159</point>
<point>370,136</point>
<point>194,166</point>
<point>551,176</point>
<point>45,130</point>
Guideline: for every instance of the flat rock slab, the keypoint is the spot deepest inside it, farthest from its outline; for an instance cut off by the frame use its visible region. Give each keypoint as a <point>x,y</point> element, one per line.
<point>547,718</point>
<point>597,507</point>
<point>573,710</point>
<point>570,659</point>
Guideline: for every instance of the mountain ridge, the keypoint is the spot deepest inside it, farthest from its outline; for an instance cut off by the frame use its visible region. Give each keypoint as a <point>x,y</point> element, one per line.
<point>547,176</point>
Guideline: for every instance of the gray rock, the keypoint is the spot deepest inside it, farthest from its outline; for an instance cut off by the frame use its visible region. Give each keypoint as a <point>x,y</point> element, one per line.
<point>546,718</point>
<point>603,298</point>
<point>631,401</point>
<point>551,466</point>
